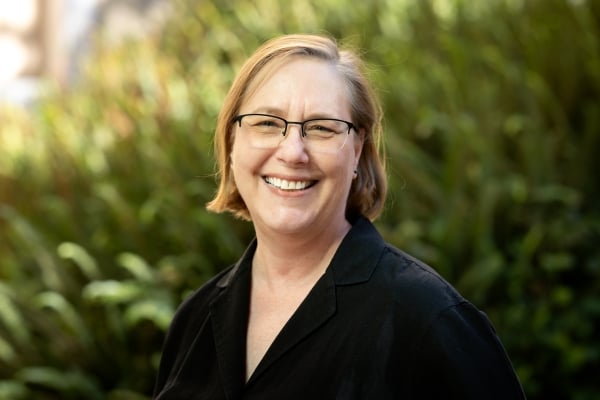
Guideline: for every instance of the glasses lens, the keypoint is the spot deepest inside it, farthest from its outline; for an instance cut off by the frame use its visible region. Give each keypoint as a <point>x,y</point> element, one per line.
<point>328,135</point>
<point>265,131</point>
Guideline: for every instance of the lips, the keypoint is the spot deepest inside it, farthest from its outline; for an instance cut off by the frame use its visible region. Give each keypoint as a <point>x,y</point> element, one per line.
<point>284,184</point>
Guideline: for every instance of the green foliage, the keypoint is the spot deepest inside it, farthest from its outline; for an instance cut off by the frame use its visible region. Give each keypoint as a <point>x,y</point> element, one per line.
<point>492,125</point>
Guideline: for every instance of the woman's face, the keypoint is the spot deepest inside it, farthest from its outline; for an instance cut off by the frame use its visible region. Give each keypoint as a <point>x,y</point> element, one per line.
<point>293,188</point>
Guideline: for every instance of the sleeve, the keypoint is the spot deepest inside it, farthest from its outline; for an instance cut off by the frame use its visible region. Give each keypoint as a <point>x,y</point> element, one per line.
<point>461,357</point>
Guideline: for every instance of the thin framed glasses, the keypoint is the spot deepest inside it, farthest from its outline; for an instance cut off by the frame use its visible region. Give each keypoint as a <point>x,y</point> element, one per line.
<point>320,134</point>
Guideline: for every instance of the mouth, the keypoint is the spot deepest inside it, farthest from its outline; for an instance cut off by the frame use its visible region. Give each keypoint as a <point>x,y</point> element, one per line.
<point>283,184</point>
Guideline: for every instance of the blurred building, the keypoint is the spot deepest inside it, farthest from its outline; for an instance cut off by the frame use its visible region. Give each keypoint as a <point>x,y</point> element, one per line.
<point>44,40</point>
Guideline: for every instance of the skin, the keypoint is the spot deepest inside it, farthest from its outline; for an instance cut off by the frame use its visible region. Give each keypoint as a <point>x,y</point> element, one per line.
<point>298,230</point>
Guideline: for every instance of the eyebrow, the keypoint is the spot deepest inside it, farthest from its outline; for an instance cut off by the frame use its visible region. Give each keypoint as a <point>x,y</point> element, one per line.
<point>269,110</point>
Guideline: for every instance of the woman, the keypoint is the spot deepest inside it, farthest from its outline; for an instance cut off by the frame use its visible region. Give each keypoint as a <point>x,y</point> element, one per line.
<point>319,306</point>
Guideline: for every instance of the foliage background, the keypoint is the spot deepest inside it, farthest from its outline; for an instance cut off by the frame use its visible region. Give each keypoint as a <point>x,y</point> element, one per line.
<point>492,129</point>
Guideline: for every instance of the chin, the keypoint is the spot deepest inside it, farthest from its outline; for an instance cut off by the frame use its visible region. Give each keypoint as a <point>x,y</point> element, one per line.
<point>287,221</point>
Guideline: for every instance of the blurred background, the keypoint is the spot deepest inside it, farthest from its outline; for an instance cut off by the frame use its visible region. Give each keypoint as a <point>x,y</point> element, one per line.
<point>107,110</point>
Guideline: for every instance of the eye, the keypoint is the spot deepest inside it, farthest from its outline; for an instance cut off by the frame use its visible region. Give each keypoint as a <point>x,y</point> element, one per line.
<point>264,124</point>
<point>267,122</point>
<point>322,128</point>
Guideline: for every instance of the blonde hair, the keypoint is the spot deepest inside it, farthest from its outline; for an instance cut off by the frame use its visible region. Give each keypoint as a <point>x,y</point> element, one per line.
<point>368,190</point>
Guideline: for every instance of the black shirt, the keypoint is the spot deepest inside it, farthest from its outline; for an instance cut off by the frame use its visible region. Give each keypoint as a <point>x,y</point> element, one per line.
<point>379,324</point>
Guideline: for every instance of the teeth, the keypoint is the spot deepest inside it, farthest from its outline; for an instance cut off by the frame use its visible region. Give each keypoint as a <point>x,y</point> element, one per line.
<point>287,185</point>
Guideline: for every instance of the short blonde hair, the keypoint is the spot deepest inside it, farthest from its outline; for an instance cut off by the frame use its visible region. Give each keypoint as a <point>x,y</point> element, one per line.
<point>368,190</point>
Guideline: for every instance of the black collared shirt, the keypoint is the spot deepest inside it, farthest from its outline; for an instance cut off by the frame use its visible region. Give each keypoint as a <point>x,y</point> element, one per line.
<point>379,324</point>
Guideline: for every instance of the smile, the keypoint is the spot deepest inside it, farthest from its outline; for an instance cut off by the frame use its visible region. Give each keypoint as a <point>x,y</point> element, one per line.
<point>283,184</point>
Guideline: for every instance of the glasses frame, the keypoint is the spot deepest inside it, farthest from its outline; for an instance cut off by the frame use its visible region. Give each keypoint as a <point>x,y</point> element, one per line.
<point>238,119</point>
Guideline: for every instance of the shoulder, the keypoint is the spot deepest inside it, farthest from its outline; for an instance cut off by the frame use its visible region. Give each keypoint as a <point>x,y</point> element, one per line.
<point>414,284</point>
<point>195,309</point>
<point>453,339</point>
<point>187,321</point>
<point>461,348</point>
<point>196,304</point>
<point>189,317</point>
<point>391,276</point>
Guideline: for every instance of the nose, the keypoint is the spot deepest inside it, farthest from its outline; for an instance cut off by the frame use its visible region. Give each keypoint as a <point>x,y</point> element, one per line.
<point>292,147</point>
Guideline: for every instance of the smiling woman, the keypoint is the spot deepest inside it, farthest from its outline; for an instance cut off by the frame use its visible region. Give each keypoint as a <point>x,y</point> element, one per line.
<point>319,305</point>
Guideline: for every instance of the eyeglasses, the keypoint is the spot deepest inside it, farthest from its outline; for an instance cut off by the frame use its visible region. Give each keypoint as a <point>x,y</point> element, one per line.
<point>321,134</point>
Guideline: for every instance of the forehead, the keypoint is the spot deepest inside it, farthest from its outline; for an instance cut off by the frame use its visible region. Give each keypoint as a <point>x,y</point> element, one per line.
<point>299,82</point>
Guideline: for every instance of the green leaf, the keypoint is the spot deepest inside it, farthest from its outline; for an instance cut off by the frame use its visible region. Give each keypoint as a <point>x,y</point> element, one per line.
<point>112,291</point>
<point>69,383</point>
<point>137,266</point>
<point>81,258</point>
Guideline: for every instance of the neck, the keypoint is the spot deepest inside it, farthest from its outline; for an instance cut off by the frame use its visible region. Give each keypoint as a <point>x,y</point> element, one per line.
<point>294,259</point>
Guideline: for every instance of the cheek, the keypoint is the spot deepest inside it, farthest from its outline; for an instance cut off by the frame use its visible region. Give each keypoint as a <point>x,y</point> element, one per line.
<point>236,163</point>
<point>342,173</point>
<point>238,149</point>
<point>244,160</point>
